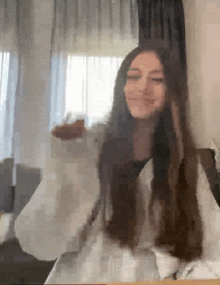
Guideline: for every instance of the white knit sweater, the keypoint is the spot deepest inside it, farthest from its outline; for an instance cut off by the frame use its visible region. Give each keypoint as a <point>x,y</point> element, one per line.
<point>49,225</point>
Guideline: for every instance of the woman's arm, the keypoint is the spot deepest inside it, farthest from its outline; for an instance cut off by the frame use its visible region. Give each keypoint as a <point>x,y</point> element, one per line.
<point>49,224</point>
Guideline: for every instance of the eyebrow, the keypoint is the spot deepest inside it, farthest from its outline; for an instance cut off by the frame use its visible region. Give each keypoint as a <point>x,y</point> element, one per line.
<point>153,71</point>
<point>133,69</point>
<point>157,71</point>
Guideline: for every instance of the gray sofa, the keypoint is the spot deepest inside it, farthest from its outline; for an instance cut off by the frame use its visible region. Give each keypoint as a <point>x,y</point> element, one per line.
<point>17,266</point>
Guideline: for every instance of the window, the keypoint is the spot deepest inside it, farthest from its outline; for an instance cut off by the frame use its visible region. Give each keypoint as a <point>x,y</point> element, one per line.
<point>4,75</point>
<point>4,71</point>
<point>90,86</point>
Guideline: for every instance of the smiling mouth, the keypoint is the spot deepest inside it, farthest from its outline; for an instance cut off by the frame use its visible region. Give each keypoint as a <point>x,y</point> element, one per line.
<point>142,100</point>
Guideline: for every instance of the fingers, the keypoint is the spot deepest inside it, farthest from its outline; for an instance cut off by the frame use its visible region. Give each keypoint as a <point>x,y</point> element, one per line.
<point>70,131</point>
<point>80,123</point>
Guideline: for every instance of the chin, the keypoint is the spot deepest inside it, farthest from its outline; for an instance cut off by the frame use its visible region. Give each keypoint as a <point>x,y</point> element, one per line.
<point>142,116</point>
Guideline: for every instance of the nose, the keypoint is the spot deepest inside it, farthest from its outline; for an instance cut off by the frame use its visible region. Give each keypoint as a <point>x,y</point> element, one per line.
<point>144,84</point>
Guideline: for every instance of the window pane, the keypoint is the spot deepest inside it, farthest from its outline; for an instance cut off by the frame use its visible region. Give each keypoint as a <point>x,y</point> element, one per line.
<point>4,72</point>
<point>90,86</point>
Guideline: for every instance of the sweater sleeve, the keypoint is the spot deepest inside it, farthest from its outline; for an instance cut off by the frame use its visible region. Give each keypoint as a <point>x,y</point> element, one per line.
<point>167,265</point>
<point>48,225</point>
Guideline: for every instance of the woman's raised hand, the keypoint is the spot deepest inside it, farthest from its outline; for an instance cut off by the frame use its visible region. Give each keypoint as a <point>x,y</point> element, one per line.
<point>69,131</point>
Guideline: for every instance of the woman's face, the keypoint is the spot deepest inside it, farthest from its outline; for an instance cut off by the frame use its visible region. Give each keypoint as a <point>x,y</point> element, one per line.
<point>145,87</point>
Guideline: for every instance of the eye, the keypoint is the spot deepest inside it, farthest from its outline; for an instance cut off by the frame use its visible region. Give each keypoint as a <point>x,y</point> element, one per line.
<point>130,77</point>
<point>158,80</point>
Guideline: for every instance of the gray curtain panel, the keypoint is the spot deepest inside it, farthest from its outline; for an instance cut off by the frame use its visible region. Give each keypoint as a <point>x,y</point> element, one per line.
<point>163,19</point>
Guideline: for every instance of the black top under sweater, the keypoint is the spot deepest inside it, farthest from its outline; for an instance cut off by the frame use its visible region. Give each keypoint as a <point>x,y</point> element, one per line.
<point>138,166</point>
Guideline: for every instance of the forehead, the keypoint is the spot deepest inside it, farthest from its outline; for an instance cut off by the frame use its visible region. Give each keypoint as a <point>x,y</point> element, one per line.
<point>146,60</point>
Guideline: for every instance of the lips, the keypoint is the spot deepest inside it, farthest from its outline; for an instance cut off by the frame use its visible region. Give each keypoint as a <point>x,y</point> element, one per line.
<point>145,100</point>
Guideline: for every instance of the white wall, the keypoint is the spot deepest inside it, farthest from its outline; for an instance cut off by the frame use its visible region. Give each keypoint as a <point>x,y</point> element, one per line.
<point>203,58</point>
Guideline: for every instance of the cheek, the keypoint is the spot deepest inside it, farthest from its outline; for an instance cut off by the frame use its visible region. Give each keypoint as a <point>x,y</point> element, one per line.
<point>130,87</point>
<point>129,94</point>
<point>160,96</point>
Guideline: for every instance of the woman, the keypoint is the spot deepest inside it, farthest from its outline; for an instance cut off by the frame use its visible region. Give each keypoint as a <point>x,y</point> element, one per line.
<point>139,203</point>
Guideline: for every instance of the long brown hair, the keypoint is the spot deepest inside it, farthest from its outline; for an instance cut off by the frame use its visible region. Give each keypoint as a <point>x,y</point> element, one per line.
<point>175,174</point>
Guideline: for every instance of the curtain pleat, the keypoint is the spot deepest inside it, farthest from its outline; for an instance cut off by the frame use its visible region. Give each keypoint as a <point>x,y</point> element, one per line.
<point>111,20</point>
<point>56,104</point>
<point>8,22</point>
<point>95,27</point>
<point>9,108</point>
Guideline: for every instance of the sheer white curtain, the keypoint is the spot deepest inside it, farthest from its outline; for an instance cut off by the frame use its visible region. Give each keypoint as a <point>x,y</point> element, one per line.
<point>89,86</point>
<point>8,73</point>
<point>10,27</point>
<point>89,42</point>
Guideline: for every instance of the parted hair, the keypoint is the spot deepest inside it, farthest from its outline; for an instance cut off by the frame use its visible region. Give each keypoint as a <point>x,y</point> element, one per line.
<point>175,175</point>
